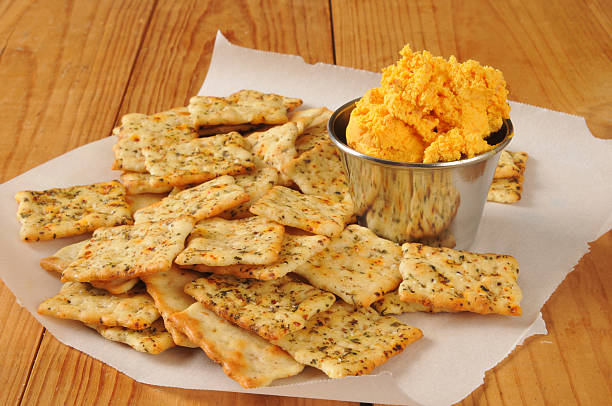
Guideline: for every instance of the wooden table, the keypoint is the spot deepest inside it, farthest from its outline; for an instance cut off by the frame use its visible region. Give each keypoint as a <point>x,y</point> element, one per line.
<point>70,69</point>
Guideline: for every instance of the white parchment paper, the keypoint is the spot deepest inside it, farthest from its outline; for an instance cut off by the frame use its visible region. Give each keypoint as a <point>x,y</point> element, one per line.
<point>566,203</point>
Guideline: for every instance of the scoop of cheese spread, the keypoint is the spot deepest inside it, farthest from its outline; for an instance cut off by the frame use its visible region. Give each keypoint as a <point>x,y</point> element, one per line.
<point>428,109</point>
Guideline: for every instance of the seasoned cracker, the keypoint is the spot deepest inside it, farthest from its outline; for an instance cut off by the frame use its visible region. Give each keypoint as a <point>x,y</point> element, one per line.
<point>219,242</point>
<point>200,160</point>
<point>450,280</point>
<point>276,146</point>
<point>319,215</point>
<point>81,301</point>
<point>138,183</point>
<point>391,304</point>
<point>319,171</point>
<point>158,130</point>
<point>167,290</point>
<point>143,200</point>
<point>270,309</point>
<point>295,251</point>
<point>511,164</point>
<point>358,266</point>
<point>129,251</point>
<point>345,341</point>
<point>245,357</point>
<point>151,340</point>
<point>205,200</point>
<point>314,133</point>
<point>506,190</point>
<point>55,213</point>
<point>245,106</point>
<point>256,184</point>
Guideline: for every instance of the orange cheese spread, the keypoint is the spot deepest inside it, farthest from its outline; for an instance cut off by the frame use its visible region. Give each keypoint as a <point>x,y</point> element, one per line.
<point>428,109</point>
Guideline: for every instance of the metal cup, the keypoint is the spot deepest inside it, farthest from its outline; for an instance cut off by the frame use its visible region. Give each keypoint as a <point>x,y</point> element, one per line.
<point>438,204</point>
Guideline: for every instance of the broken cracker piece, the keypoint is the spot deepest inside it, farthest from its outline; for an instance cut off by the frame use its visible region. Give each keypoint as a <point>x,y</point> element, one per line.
<point>506,190</point>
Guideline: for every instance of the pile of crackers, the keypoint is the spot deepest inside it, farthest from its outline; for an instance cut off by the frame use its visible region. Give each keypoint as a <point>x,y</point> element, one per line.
<point>232,232</point>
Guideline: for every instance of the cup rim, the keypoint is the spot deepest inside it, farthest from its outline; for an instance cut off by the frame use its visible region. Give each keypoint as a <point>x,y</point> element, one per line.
<point>414,165</point>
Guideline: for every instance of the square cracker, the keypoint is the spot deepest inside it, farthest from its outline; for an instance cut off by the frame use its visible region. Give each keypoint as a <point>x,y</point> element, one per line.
<point>506,190</point>
<point>220,242</point>
<point>295,250</point>
<point>358,266</point>
<point>64,256</point>
<point>245,106</point>
<point>158,130</point>
<point>151,340</point>
<point>276,146</point>
<point>138,183</point>
<point>129,251</point>
<point>205,200</point>
<point>319,171</point>
<point>167,290</point>
<point>200,159</point>
<point>318,215</point>
<point>451,280</point>
<point>80,301</point>
<point>270,309</point>
<point>256,184</point>
<point>345,341</point>
<point>510,164</point>
<point>54,213</point>
<point>245,357</point>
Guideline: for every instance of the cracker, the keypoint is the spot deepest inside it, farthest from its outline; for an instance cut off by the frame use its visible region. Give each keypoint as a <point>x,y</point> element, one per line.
<point>319,215</point>
<point>167,290</point>
<point>245,106</point>
<point>295,251</point>
<point>205,200</point>
<point>245,357</point>
<point>358,266</point>
<point>506,190</point>
<point>151,340</point>
<point>270,309</point>
<point>319,171</point>
<point>129,251</point>
<point>200,160</point>
<point>143,200</point>
<point>219,242</point>
<point>511,164</point>
<point>344,341</point>
<point>304,118</point>
<point>314,133</point>
<point>54,213</point>
<point>450,280</point>
<point>158,130</point>
<point>276,146</point>
<point>138,183</point>
<point>81,301</point>
<point>391,304</point>
<point>256,184</point>
<point>66,255</point>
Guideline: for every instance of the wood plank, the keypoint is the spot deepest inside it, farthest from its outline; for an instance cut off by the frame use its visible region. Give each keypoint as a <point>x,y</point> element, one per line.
<point>553,54</point>
<point>539,48</point>
<point>60,70</point>
<point>171,67</point>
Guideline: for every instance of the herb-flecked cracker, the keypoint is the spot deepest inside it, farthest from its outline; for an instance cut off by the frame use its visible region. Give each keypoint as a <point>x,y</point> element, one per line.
<point>510,164</point>
<point>81,301</point>
<point>138,183</point>
<point>295,251</point>
<point>276,146</point>
<point>200,159</point>
<point>129,251</point>
<point>167,290</point>
<point>151,340</point>
<point>256,184</point>
<point>358,266</point>
<point>245,106</point>
<point>158,130</point>
<point>347,341</point>
<point>219,242</point>
<point>318,215</point>
<point>140,201</point>
<point>451,280</point>
<point>205,200</point>
<point>245,357</point>
<point>54,213</point>
<point>270,309</point>
<point>392,304</point>
<point>506,190</point>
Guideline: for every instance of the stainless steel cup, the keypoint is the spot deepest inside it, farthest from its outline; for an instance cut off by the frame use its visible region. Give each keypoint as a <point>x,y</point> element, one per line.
<point>438,204</point>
